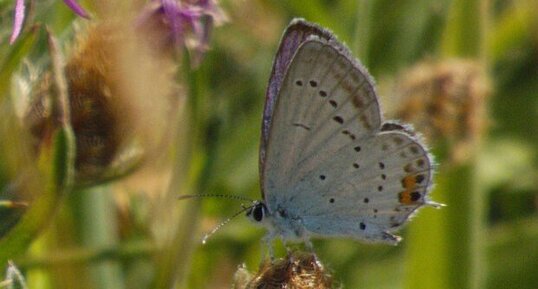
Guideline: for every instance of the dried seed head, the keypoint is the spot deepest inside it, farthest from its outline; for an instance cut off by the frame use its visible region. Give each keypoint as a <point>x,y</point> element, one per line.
<point>447,102</point>
<point>119,95</point>
<point>95,119</point>
<point>296,271</point>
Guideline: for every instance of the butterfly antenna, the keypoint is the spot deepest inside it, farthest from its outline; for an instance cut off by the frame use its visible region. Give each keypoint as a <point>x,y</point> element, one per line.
<point>232,197</point>
<point>204,240</point>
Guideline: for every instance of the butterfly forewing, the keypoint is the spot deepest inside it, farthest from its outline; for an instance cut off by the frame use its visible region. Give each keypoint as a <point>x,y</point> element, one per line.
<point>291,123</point>
<point>326,101</point>
<point>296,33</point>
<point>327,159</point>
<point>347,111</point>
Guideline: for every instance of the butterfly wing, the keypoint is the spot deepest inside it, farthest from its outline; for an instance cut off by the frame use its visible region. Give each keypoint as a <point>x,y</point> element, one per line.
<point>296,33</point>
<point>330,160</point>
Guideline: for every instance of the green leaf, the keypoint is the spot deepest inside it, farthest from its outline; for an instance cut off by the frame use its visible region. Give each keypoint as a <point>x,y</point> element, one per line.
<point>56,184</point>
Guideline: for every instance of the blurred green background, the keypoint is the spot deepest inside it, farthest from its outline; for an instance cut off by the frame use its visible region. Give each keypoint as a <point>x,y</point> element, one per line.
<point>132,233</point>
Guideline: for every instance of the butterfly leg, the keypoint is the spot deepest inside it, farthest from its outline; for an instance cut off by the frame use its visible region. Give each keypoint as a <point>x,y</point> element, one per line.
<point>308,244</point>
<point>267,241</point>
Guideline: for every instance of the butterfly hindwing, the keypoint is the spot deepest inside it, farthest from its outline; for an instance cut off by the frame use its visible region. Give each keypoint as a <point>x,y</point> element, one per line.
<point>369,192</point>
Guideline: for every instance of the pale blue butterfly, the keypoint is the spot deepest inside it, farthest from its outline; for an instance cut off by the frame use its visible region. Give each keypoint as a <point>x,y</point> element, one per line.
<point>330,166</point>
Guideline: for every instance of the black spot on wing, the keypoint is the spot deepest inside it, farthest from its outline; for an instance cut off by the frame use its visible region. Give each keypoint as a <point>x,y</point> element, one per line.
<point>301,126</point>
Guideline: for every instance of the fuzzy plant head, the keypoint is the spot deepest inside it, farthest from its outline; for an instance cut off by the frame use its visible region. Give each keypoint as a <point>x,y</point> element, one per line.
<point>298,270</point>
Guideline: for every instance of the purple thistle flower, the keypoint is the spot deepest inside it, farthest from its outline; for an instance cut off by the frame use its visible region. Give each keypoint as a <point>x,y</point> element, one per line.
<point>182,23</point>
<point>19,16</point>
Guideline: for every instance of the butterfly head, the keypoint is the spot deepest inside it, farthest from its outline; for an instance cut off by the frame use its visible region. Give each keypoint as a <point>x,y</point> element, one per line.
<point>258,212</point>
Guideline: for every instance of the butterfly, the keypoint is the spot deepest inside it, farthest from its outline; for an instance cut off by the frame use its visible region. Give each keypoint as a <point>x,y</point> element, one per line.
<point>330,165</point>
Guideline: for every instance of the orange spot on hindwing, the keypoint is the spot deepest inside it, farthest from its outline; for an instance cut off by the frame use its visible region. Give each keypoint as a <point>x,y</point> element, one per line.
<point>409,196</point>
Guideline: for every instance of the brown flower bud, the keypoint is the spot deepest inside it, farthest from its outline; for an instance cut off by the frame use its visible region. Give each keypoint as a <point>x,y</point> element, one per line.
<point>120,94</point>
<point>446,101</point>
<point>296,271</point>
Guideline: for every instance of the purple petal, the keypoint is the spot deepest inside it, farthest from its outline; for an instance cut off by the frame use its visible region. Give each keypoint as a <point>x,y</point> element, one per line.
<point>73,4</point>
<point>171,11</point>
<point>19,20</point>
<point>185,23</point>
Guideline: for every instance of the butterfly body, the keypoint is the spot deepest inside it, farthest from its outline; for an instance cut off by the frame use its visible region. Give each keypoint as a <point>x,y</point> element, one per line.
<point>279,222</point>
<point>330,165</point>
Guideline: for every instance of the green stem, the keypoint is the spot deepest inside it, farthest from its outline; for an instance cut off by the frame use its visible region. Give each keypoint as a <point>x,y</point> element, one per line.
<point>453,256</point>
<point>361,42</point>
<point>464,34</point>
<point>124,252</point>
<point>96,227</point>
<point>200,153</point>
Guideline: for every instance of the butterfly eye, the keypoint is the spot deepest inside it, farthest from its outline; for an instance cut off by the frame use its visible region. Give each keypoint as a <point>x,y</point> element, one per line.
<point>257,213</point>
